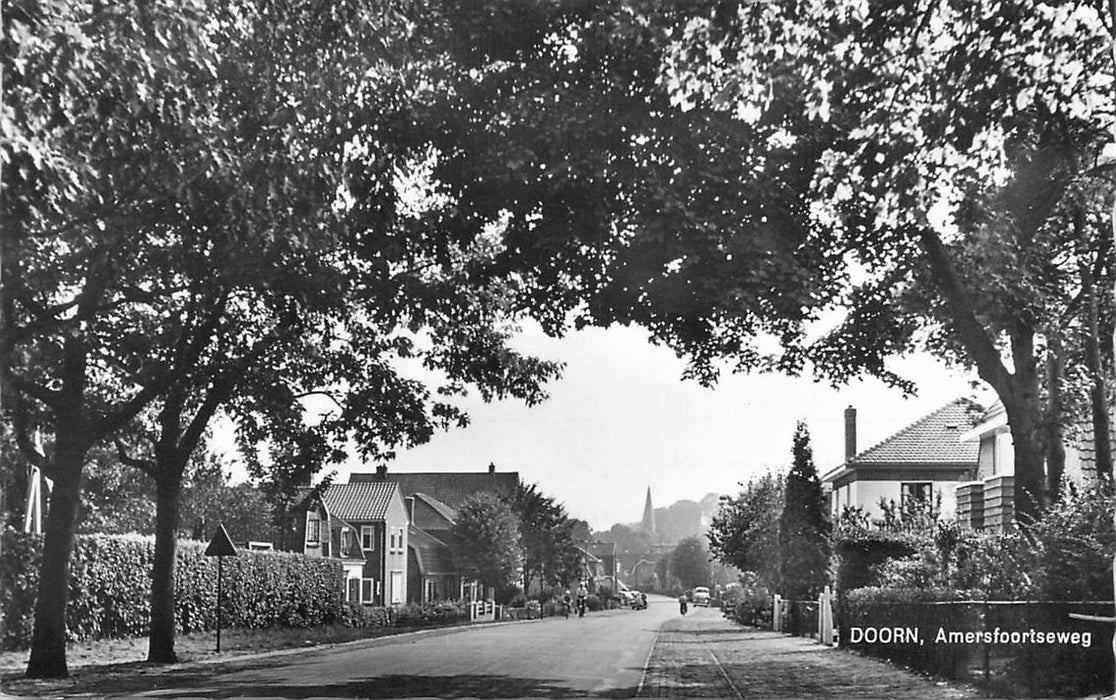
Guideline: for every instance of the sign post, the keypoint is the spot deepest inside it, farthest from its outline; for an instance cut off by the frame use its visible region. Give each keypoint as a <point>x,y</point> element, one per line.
<point>220,546</point>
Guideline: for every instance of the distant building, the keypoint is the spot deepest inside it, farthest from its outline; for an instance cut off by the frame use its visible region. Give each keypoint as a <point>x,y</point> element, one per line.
<point>648,524</point>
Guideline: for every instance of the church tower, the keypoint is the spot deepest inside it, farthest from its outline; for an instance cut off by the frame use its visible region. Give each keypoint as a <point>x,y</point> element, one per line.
<point>648,515</point>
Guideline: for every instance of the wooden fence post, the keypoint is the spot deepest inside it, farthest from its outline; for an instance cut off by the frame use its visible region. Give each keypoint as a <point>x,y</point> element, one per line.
<point>825,617</point>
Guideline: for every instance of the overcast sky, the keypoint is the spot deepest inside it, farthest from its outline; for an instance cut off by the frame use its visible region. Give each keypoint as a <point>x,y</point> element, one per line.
<point>621,419</point>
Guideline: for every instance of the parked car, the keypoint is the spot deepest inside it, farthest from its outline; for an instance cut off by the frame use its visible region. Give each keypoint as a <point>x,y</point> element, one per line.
<point>700,596</point>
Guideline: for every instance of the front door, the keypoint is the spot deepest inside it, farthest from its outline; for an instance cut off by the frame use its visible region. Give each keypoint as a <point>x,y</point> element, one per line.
<point>396,587</point>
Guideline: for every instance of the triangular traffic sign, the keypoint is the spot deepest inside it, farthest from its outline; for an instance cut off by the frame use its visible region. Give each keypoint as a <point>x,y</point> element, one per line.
<point>221,545</point>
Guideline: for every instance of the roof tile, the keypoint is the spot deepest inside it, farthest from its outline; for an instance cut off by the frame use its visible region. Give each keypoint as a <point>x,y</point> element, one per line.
<point>933,439</point>
<point>451,488</point>
<point>359,502</point>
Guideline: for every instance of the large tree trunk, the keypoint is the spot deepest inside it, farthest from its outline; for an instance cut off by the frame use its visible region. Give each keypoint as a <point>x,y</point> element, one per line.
<point>48,638</point>
<point>162,631</point>
<point>1098,396</point>
<point>1055,442</point>
<point>1018,391</point>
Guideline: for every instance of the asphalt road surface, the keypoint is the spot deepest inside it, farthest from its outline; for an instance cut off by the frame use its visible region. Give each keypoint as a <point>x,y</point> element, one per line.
<point>611,654</point>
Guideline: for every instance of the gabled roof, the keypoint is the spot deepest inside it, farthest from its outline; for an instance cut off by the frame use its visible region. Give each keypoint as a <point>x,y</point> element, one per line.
<point>359,502</point>
<point>451,488</point>
<point>932,440</point>
<point>440,508</point>
<point>433,555</point>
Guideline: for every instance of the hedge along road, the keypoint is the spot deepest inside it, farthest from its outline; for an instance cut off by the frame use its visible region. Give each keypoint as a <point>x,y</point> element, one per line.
<point>612,654</point>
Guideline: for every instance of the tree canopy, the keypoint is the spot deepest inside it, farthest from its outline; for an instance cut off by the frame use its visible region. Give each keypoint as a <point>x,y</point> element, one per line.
<point>745,531</point>
<point>804,525</point>
<point>689,562</point>
<point>487,544</point>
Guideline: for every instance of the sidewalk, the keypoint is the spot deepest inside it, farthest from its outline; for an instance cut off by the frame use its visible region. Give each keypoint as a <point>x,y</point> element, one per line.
<point>698,657</point>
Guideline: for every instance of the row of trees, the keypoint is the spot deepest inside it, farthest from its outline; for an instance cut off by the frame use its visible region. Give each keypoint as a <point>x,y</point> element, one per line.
<point>777,528</point>
<point>212,206</point>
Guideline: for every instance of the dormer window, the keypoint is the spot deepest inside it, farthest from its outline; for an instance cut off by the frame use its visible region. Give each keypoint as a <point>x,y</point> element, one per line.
<point>367,538</point>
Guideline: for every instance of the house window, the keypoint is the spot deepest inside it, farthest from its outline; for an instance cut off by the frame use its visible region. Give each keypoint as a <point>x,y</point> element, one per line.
<point>366,590</point>
<point>916,492</point>
<point>393,539</point>
<point>367,541</point>
<point>313,529</point>
<point>346,541</point>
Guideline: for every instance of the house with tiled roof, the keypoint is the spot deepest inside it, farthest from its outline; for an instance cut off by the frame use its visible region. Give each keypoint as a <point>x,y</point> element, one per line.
<point>432,571</point>
<point>925,461</point>
<point>450,488</point>
<point>432,500</point>
<point>364,525</point>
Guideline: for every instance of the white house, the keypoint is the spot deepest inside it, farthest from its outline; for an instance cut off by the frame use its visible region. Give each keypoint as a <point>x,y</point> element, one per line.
<point>924,461</point>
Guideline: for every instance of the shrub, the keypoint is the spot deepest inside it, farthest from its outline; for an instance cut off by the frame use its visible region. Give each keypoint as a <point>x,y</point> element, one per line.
<point>425,614</point>
<point>593,602</point>
<point>358,615</point>
<point>109,592</point>
<point>754,608</point>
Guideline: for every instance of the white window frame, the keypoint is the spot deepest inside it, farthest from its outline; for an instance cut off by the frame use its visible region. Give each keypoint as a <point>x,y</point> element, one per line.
<point>371,590</point>
<point>370,531</point>
<point>313,517</point>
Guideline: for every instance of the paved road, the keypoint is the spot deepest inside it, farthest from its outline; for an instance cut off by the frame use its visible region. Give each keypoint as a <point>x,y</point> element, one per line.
<point>602,654</point>
<point>613,654</point>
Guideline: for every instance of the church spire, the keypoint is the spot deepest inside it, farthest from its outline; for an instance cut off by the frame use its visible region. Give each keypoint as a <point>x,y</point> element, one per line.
<point>648,515</point>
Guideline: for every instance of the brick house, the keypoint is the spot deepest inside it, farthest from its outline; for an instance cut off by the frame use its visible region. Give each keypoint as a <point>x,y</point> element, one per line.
<point>365,526</point>
<point>432,500</point>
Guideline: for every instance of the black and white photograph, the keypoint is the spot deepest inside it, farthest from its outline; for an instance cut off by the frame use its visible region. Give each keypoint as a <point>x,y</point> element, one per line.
<point>557,349</point>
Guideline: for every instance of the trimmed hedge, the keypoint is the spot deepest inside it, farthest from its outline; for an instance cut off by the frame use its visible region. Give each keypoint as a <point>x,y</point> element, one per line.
<point>110,588</point>
<point>431,614</point>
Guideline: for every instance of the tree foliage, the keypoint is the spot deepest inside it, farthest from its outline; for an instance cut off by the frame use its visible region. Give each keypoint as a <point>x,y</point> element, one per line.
<point>546,533</point>
<point>689,562</point>
<point>958,167</point>
<point>745,531</point>
<point>803,525</point>
<point>221,222</point>
<point>487,541</point>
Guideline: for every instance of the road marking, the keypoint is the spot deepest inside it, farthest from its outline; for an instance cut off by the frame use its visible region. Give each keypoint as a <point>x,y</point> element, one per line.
<point>724,673</point>
<point>647,664</point>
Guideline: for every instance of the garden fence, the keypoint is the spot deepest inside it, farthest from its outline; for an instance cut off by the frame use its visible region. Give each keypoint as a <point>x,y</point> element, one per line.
<point>1013,647</point>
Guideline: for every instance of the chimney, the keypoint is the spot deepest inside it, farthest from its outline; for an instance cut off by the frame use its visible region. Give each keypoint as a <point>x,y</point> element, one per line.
<point>492,468</point>
<point>850,433</point>
<point>381,472</point>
